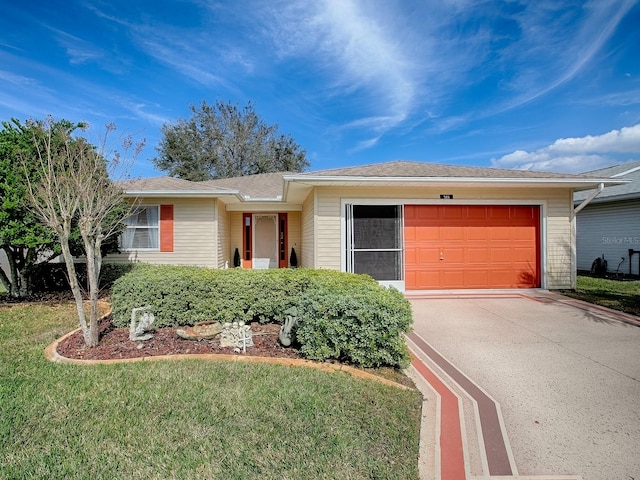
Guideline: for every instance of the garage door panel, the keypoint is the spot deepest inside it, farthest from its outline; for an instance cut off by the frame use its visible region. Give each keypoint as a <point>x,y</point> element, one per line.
<point>524,213</point>
<point>524,233</point>
<point>426,255</point>
<point>453,255</point>
<point>498,213</point>
<point>410,256</point>
<point>476,278</point>
<point>499,233</point>
<point>502,278</point>
<point>451,212</point>
<point>451,233</point>
<point>410,234</point>
<point>451,278</point>
<point>428,278</point>
<point>477,212</point>
<point>523,255</point>
<point>476,233</point>
<point>482,246</point>
<point>500,255</point>
<point>477,255</point>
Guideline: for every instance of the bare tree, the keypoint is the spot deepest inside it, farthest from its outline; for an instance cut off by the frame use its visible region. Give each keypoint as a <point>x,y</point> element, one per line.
<point>76,186</point>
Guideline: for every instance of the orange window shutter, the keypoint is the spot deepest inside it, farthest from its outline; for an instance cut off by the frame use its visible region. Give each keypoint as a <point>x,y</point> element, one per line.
<point>166,228</point>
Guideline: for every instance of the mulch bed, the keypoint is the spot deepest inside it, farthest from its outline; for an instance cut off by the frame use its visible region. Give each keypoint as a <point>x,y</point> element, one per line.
<point>115,344</point>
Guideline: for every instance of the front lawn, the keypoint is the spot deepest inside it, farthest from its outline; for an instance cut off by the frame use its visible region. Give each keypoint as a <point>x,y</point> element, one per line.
<point>615,294</point>
<point>190,419</point>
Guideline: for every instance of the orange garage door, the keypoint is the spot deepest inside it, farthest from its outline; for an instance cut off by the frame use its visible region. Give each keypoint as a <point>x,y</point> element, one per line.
<point>471,246</point>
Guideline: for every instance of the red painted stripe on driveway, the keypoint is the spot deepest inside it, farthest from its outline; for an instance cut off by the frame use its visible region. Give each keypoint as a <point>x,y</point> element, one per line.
<point>495,446</point>
<point>451,451</point>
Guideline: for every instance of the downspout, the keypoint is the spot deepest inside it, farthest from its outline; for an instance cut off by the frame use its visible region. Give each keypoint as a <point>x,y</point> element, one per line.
<point>574,253</point>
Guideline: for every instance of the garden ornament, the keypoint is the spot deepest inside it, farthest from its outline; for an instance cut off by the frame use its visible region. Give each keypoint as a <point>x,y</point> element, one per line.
<point>285,335</point>
<point>236,335</point>
<point>141,320</point>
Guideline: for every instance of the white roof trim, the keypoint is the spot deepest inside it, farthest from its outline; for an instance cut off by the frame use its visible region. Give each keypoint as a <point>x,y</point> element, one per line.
<point>181,193</point>
<point>622,174</point>
<point>540,180</point>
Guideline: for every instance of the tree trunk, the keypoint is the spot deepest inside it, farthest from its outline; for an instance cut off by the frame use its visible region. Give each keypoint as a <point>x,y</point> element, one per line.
<point>94,260</point>
<point>4,279</point>
<point>75,288</point>
<point>14,289</point>
<point>25,274</point>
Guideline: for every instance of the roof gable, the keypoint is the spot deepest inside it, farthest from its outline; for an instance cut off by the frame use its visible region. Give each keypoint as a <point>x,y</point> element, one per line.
<point>259,186</point>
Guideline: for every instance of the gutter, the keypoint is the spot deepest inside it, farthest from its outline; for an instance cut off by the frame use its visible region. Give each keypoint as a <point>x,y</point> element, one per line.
<point>587,200</point>
<point>183,193</point>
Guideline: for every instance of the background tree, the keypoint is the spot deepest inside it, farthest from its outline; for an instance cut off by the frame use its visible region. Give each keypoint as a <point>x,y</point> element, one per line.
<point>222,141</point>
<point>75,183</point>
<point>26,242</point>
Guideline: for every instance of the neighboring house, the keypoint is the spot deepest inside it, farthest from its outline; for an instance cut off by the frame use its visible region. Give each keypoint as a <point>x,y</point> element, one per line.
<point>417,226</point>
<point>609,225</point>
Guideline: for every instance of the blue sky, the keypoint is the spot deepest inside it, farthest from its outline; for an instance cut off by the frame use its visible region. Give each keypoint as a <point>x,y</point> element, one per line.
<point>547,85</point>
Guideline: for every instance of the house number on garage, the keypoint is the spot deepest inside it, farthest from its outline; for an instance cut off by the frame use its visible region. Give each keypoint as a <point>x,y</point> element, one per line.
<point>446,196</point>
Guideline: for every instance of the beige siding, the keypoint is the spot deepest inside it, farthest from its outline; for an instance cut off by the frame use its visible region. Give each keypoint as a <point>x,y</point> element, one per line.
<point>293,230</point>
<point>556,204</point>
<point>194,235</point>
<point>223,235</point>
<point>235,235</point>
<point>307,231</point>
<point>560,258</point>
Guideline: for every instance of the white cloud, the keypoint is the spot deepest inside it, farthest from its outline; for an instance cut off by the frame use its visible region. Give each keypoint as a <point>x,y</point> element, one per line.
<point>357,51</point>
<point>580,154</point>
<point>19,80</point>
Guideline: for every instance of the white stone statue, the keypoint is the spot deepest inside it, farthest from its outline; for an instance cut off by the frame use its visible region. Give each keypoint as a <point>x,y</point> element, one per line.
<point>236,335</point>
<point>141,320</point>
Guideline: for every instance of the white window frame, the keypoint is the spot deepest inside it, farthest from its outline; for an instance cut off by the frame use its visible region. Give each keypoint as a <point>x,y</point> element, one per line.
<point>348,250</point>
<point>146,227</point>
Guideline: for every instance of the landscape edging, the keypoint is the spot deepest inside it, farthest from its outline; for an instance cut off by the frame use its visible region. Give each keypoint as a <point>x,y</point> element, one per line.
<point>51,354</point>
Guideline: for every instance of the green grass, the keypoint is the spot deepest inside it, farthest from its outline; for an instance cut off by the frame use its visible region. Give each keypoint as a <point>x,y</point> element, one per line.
<point>190,419</point>
<point>615,294</point>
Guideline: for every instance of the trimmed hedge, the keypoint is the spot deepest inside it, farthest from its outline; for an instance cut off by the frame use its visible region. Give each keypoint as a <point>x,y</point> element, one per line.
<point>188,295</point>
<point>341,316</point>
<point>354,322</point>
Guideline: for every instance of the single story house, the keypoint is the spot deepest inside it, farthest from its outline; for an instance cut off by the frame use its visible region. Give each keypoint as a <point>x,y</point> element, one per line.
<point>416,226</point>
<point>609,226</point>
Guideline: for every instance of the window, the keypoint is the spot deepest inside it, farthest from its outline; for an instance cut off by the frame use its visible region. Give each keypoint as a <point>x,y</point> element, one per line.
<point>374,241</point>
<point>142,230</point>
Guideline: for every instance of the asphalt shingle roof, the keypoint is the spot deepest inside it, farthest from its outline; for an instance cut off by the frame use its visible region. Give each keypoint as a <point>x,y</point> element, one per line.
<point>270,185</point>
<point>262,185</point>
<point>628,190</point>
<point>433,170</point>
<point>162,184</point>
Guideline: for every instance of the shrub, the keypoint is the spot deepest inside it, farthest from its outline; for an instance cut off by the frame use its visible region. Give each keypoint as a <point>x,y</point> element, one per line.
<point>341,316</point>
<point>357,322</point>
<point>187,295</point>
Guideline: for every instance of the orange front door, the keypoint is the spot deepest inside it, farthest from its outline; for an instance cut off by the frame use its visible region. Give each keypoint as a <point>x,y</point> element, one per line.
<point>471,246</point>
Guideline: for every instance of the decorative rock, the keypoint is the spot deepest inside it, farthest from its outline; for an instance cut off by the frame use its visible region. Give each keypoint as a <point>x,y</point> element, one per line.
<point>140,325</point>
<point>200,331</point>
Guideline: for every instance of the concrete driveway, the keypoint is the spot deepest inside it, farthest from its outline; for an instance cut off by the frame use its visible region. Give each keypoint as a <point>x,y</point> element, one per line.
<point>566,377</point>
